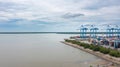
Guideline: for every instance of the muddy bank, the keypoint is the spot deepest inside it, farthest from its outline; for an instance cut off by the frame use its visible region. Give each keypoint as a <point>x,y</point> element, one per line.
<point>98,54</point>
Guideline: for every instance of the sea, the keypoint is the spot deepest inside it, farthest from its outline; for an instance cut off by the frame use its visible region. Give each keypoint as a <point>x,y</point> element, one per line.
<point>42,50</point>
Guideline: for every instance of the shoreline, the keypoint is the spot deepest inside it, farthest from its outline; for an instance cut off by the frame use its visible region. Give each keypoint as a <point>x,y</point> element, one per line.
<point>98,54</point>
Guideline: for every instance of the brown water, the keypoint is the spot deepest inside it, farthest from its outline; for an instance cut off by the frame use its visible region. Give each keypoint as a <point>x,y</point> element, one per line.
<point>41,50</point>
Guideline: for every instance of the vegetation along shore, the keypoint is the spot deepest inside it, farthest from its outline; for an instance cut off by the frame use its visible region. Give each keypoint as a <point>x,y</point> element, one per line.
<point>100,51</point>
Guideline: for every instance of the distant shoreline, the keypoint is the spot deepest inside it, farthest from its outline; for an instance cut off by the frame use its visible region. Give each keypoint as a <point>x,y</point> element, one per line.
<point>26,32</point>
<point>52,32</point>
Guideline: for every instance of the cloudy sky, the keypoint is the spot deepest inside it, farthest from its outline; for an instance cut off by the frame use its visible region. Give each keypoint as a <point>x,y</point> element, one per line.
<point>56,15</point>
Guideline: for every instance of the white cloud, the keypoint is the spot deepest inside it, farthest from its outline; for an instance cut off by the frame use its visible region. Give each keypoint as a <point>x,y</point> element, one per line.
<point>52,11</point>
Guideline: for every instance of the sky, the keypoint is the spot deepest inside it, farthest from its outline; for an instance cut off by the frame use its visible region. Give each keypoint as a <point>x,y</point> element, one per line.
<point>56,15</point>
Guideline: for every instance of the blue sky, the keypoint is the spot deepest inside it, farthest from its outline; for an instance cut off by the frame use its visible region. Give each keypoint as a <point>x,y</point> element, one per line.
<point>56,15</point>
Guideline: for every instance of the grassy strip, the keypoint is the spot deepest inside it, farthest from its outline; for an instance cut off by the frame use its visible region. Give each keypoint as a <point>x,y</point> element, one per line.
<point>101,49</point>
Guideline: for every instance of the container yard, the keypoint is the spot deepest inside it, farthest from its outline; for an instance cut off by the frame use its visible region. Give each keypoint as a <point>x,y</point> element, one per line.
<point>109,36</point>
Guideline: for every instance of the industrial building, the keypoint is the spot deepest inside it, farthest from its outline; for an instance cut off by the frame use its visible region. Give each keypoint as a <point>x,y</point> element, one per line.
<point>107,34</point>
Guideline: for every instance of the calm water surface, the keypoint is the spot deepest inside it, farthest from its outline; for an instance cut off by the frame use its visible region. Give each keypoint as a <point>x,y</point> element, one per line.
<point>41,50</point>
